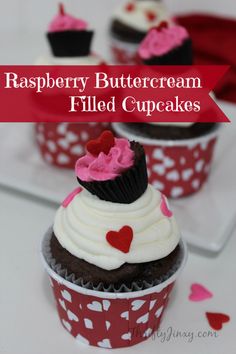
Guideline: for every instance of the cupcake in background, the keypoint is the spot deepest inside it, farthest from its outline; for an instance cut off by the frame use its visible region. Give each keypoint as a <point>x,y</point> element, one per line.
<point>70,41</point>
<point>61,144</point>
<point>112,272</point>
<point>179,155</point>
<point>130,24</point>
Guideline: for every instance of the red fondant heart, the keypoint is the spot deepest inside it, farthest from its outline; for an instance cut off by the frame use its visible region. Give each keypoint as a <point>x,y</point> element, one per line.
<point>103,144</point>
<point>216,320</point>
<point>151,16</point>
<point>122,239</point>
<point>130,7</point>
<point>162,25</point>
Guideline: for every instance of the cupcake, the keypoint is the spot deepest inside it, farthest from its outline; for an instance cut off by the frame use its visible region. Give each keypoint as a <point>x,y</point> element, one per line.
<point>179,155</point>
<point>130,24</point>
<point>70,41</point>
<point>113,263</point>
<point>166,44</point>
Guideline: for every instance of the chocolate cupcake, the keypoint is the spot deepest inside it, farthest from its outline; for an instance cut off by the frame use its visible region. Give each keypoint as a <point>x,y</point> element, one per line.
<point>130,24</point>
<point>69,36</point>
<point>112,266</point>
<point>70,40</point>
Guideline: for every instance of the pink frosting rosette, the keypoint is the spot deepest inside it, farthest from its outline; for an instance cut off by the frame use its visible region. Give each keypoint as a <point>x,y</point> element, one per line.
<point>105,166</point>
<point>65,22</point>
<point>161,40</point>
<point>113,169</point>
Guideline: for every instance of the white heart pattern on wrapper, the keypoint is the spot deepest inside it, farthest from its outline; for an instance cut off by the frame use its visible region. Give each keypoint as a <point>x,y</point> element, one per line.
<point>137,304</point>
<point>159,312</point>
<point>72,316</point>
<point>88,323</point>
<point>148,332</point>
<point>108,325</point>
<point>143,319</point>
<point>126,336</point>
<point>95,306</point>
<point>125,315</point>
<point>152,303</point>
<point>66,295</point>
<point>62,303</point>
<point>105,343</point>
<point>82,339</point>
<point>63,159</point>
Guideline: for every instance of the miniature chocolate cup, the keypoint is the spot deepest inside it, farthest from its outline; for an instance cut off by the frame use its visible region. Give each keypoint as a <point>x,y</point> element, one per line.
<point>70,43</point>
<point>127,187</point>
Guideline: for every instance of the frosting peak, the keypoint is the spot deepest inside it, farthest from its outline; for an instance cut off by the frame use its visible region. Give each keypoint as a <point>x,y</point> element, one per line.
<point>105,166</point>
<point>159,41</point>
<point>65,22</point>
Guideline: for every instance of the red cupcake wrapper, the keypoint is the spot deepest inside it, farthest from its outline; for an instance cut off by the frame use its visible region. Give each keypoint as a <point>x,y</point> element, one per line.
<point>110,320</point>
<point>124,53</point>
<point>176,168</point>
<point>61,144</point>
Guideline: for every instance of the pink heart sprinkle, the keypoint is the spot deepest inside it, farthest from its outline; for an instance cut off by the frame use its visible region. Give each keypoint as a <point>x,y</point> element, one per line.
<point>164,207</point>
<point>70,197</point>
<point>199,293</point>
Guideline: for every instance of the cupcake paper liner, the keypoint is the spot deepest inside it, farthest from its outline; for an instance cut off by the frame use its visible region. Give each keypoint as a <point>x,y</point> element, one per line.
<point>127,187</point>
<point>176,167</point>
<point>70,43</point>
<point>105,319</point>
<point>61,144</point>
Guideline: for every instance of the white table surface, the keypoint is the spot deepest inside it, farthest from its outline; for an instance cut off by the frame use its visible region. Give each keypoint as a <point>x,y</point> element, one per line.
<point>28,319</point>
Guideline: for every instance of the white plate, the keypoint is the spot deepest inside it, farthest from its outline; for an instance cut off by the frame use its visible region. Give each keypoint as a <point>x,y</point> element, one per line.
<point>206,219</point>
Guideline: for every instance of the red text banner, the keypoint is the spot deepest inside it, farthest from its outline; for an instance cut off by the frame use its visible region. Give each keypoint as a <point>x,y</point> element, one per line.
<point>110,93</point>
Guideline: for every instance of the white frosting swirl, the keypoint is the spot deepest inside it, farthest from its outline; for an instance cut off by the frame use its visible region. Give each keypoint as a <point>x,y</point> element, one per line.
<point>137,19</point>
<point>82,226</point>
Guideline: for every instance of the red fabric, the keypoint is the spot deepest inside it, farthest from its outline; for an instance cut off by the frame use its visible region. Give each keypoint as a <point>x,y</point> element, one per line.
<point>214,42</point>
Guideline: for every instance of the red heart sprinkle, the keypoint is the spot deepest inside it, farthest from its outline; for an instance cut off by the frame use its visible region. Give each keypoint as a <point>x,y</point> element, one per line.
<point>122,239</point>
<point>103,144</point>
<point>162,25</point>
<point>130,7</point>
<point>151,16</point>
<point>216,320</point>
